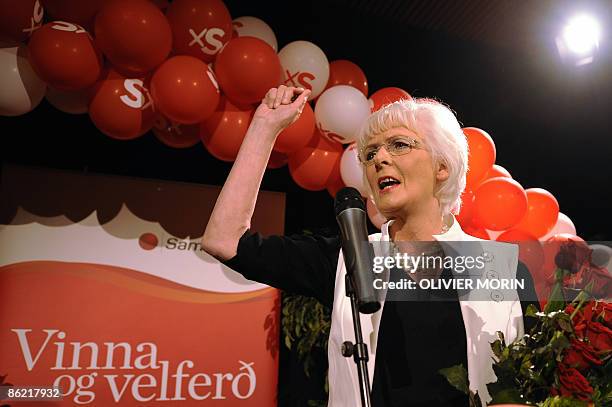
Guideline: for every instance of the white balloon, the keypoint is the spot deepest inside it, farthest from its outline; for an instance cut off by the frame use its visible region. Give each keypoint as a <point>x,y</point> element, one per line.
<point>494,233</point>
<point>21,89</point>
<point>305,65</point>
<point>375,217</point>
<point>564,225</point>
<point>248,26</point>
<point>602,256</point>
<point>351,170</point>
<point>340,112</point>
<point>75,102</point>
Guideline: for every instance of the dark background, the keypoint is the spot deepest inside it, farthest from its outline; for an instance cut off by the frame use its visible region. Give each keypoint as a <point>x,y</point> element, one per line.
<point>493,62</point>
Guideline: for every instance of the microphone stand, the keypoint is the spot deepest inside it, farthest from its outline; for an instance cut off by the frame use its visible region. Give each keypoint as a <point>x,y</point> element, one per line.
<point>358,350</point>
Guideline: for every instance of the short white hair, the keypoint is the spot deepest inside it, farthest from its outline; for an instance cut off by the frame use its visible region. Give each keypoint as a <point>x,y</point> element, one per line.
<point>437,125</point>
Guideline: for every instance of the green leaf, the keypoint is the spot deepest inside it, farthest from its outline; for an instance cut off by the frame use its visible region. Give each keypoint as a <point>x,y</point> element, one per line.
<point>457,376</point>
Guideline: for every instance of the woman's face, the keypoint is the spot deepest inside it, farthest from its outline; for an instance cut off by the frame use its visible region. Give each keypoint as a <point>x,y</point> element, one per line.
<point>412,176</point>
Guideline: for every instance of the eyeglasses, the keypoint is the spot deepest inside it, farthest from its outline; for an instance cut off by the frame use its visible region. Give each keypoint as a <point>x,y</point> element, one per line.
<point>394,146</point>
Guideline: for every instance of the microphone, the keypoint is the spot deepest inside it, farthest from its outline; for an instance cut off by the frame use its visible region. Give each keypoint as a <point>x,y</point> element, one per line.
<point>356,248</point>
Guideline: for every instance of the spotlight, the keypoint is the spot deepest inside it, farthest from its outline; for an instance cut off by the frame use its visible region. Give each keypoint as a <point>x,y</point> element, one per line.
<point>578,42</point>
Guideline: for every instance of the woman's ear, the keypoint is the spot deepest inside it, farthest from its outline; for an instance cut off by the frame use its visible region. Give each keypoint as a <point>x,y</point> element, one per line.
<point>442,173</point>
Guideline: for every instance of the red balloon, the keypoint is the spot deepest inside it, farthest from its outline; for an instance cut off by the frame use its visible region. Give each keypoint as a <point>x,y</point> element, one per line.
<point>466,212</point>
<point>175,134</point>
<point>224,130</point>
<point>200,28</point>
<point>343,72</point>
<point>298,134</point>
<point>75,11</point>
<point>312,166</point>
<point>335,183</point>
<point>497,171</point>
<point>542,212</point>
<point>277,160</point>
<point>185,90</point>
<point>122,107</point>
<point>476,231</point>
<point>133,34</point>
<point>531,252</point>
<point>499,203</point>
<point>481,155</point>
<point>19,19</point>
<point>64,55</point>
<point>247,68</point>
<point>385,96</point>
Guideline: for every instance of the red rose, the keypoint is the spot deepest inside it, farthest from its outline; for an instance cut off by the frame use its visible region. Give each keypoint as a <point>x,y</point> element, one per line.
<point>602,312</point>
<point>580,355</point>
<point>573,384</point>
<point>599,336</point>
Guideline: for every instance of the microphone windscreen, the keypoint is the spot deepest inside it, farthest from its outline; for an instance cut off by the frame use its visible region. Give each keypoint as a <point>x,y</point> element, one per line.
<point>348,197</point>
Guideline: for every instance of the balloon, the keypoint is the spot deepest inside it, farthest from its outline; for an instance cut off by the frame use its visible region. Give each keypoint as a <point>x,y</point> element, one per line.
<point>340,112</point>
<point>542,212</point>
<point>75,11</point>
<point>133,34</point>
<point>343,72</point>
<point>277,160</point>
<point>476,231</point>
<point>579,253</point>
<point>334,183</point>
<point>384,96</point>
<point>499,203</point>
<point>22,89</point>
<point>531,252</point>
<point>185,90</point>
<point>64,55</point>
<point>297,134</point>
<point>497,171</point>
<point>247,68</point>
<point>564,225</point>
<point>601,256</point>
<point>73,102</point>
<point>375,217</point>
<point>304,65</point>
<point>19,19</point>
<point>122,107</point>
<point>200,28</point>
<point>351,170</point>
<point>467,208</point>
<point>481,155</point>
<point>494,234</point>
<point>312,166</point>
<point>254,27</point>
<point>224,130</point>
<point>175,134</point>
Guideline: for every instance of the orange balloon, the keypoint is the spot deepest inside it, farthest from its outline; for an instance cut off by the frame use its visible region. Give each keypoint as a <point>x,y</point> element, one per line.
<point>185,90</point>
<point>343,72</point>
<point>122,107</point>
<point>247,68</point>
<point>298,134</point>
<point>133,34</point>
<point>531,252</point>
<point>64,55</point>
<point>542,212</point>
<point>466,212</point>
<point>499,203</point>
<point>385,96</point>
<point>200,28</point>
<point>481,155</point>
<point>225,129</point>
<point>312,166</point>
<point>175,134</point>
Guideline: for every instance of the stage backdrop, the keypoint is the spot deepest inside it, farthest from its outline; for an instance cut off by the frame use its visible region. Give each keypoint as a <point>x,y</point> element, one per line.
<point>106,291</point>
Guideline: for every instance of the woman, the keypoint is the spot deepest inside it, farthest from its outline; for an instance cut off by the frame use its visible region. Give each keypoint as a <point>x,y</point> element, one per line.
<point>415,159</point>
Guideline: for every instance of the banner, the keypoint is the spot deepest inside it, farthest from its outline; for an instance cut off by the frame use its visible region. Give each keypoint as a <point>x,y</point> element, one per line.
<point>121,311</point>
